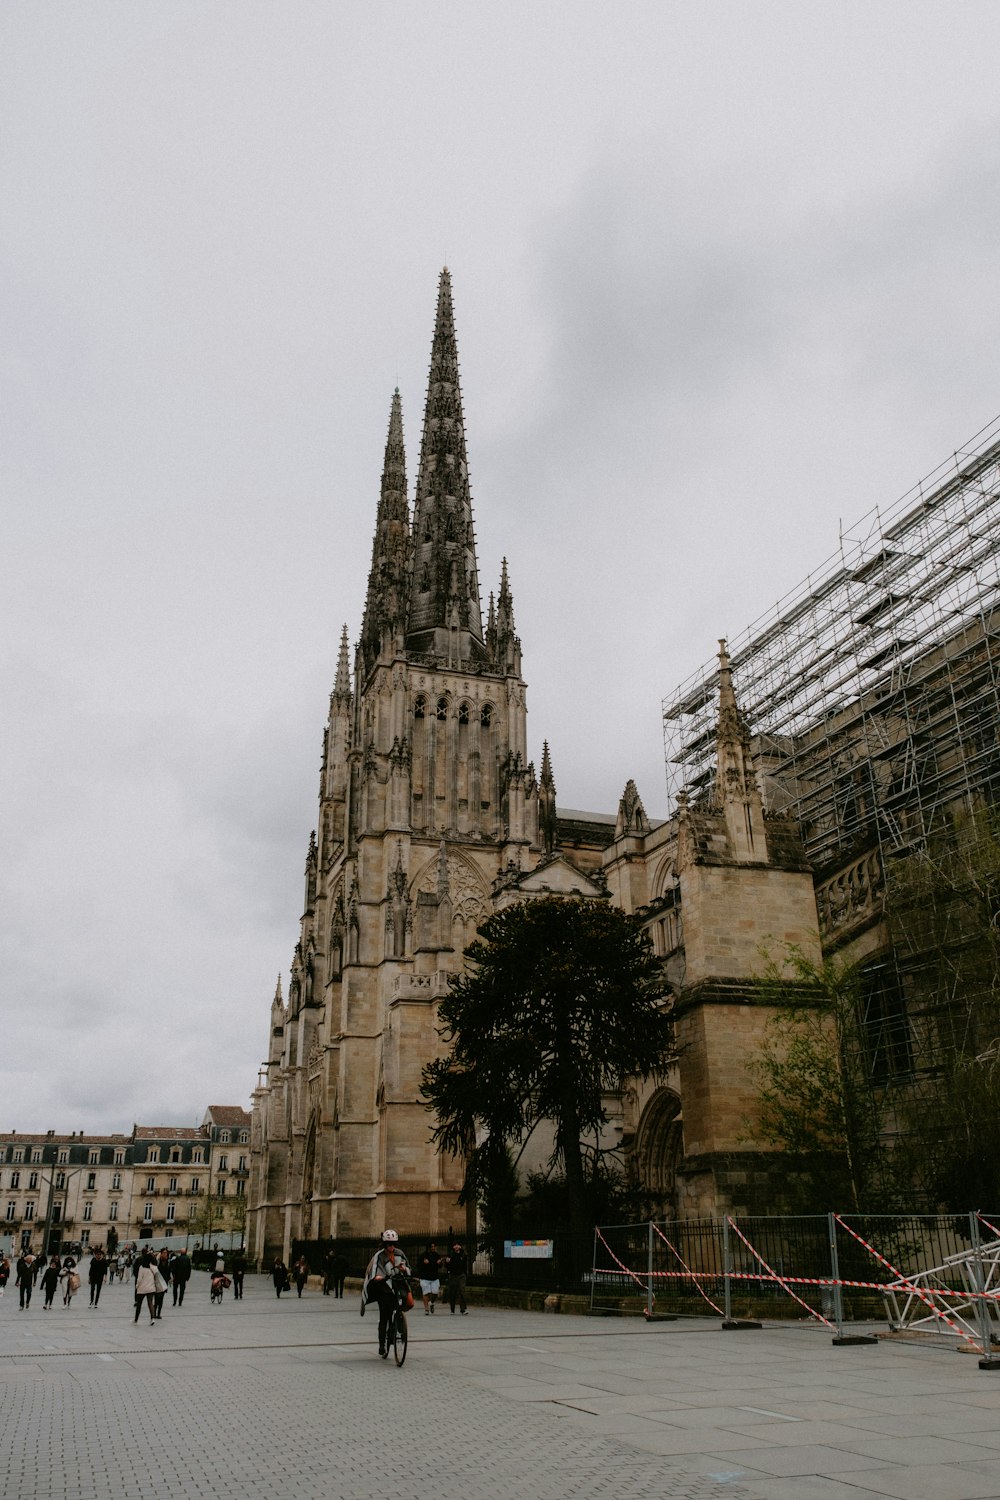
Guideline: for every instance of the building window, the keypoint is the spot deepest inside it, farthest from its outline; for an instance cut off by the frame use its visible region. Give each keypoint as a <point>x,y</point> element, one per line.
<point>113,1212</point>
<point>60,1179</point>
<point>244,1136</point>
<point>147,1214</point>
<point>240,1185</point>
<point>94,1158</point>
<point>88,1212</point>
<point>15,1179</point>
<point>36,1155</point>
<point>63,1158</point>
<point>197,1156</point>
<point>119,1158</point>
<point>223,1165</point>
<point>29,1210</point>
<point>116,1181</point>
<point>18,1155</point>
<point>195,1185</point>
<point>172,1185</point>
<point>150,1184</point>
<point>84,1237</point>
<point>175,1154</point>
<point>224,1137</point>
<point>91,1181</point>
<point>486,716</point>
<point>220,1189</point>
<point>11,1210</point>
<point>243,1164</point>
<point>32,1179</point>
<point>171,1210</point>
<point>57,1212</point>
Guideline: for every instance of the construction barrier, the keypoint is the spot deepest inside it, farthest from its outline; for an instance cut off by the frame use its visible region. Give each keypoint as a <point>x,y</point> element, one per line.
<point>924,1274</point>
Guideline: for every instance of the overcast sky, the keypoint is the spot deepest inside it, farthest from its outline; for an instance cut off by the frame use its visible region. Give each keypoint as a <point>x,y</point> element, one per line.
<point>725,276</point>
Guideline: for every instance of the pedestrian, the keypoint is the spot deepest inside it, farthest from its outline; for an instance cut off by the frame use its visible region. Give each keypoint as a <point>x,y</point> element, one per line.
<point>145,1286</point>
<point>328,1259</point>
<point>120,1266</point>
<point>97,1273</point>
<point>339,1272</point>
<point>70,1277</point>
<point>163,1267</point>
<point>181,1276</point>
<point>301,1273</point>
<point>25,1277</point>
<point>279,1275</point>
<point>428,1270</point>
<point>458,1268</point>
<point>4,1273</point>
<point>220,1261</point>
<point>239,1270</point>
<point>50,1280</point>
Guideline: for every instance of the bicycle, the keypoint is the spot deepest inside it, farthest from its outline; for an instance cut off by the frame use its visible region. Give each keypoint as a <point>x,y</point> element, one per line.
<point>397,1334</point>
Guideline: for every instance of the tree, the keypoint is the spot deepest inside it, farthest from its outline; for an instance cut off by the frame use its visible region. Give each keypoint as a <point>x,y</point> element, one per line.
<point>561,1004</point>
<point>815,1098</point>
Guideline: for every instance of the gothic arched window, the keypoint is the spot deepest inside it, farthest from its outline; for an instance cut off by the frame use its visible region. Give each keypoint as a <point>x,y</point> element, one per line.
<point>463,713</point>
<point>442,710</point>
<point>486,716</point>
<point>419,706</point>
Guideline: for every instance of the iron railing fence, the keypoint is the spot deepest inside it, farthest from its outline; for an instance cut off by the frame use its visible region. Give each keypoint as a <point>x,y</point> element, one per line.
<point>938,1272</point>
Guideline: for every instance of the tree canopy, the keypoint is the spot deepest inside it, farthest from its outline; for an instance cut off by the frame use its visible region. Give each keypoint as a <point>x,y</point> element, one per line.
<point>561,1004</point>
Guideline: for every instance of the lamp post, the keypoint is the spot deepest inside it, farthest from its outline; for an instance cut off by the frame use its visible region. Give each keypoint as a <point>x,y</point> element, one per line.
<point>47,1233</point>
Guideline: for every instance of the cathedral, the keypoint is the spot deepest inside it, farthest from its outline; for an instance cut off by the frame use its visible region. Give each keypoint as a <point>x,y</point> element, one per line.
<point>431,816</point>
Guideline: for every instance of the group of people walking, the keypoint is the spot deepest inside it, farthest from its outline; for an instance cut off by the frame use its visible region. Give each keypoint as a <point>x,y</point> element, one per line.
<point>153,1276</point>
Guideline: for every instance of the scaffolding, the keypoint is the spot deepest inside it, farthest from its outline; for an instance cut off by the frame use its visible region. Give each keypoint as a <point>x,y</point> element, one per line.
<point>872,695</point>
<point>872,691</point>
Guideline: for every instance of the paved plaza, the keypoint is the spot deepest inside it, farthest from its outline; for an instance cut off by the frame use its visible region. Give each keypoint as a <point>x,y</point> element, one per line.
<point>286,1398</point>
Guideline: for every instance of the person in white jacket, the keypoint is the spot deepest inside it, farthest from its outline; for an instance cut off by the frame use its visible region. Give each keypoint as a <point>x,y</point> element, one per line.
<point>145,1286</point>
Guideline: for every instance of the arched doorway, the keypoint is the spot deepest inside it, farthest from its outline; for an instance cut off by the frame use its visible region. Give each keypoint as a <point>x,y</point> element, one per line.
<point>659,1146</point>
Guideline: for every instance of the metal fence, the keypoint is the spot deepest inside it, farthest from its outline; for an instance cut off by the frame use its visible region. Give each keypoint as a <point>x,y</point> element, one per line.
<point>930,1274</point>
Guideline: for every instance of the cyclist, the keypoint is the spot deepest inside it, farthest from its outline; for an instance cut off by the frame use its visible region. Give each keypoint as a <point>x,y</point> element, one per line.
<point>387,1263</point>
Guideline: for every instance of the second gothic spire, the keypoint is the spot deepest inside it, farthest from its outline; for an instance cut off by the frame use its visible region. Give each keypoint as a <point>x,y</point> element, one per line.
<point>444,619</point>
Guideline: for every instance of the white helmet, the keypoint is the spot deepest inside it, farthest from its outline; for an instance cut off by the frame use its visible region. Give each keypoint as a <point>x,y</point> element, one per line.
<point>389,1237</point>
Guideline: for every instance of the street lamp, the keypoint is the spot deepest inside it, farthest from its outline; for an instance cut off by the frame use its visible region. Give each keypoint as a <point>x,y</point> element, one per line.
<point>47,1235</point>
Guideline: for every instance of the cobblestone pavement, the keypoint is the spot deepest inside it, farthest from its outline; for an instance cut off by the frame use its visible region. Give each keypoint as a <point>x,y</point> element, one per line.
<point>269,1398</point>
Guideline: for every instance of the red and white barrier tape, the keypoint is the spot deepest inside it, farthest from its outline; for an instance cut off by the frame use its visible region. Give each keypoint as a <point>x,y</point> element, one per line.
<point>811,1310</point>
<point>906,1284</point>
<point>698,1289</point>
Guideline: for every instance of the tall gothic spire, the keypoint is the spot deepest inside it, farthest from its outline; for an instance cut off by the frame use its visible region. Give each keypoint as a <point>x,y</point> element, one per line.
<point>444,619</point>
<point>547,802</point>
<point>342,682</point>
<point>736,791</point>
<point>501,638</point>
<point>388,580</point>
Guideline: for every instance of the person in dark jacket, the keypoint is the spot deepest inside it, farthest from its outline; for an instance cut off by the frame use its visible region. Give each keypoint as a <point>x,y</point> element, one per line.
<point>96,1275</point>
<point>339,1273</point>
<point>180,1276</point>
<point>301,1274</point>
<point>279,1275</point>
<point>239,1270</point>
<point>163,1266</point>
<point>50,1280</point>
<point>458,1269</point>
<point>25,1275</point>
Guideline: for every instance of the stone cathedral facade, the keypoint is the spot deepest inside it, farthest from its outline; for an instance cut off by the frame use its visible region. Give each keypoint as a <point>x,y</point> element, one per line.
<point>432,815</point>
